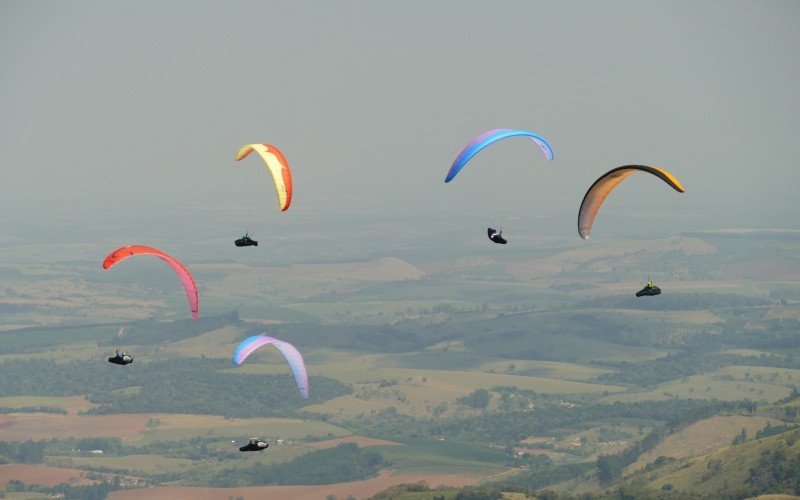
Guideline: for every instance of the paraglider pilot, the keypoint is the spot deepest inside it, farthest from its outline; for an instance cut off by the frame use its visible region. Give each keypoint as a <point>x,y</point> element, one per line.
<point>496,236</point>
<point>121,359</point>
<point>649,289</point>
<point>245,241</point>
<point>254,445</point>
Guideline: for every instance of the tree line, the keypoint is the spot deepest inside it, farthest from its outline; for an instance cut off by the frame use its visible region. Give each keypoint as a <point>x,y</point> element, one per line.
<point>183,385</point>
<point>346,462</point>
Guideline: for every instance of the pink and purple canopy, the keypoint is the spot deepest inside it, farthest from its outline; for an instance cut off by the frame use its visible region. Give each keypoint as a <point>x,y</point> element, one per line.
<point>290,352</point>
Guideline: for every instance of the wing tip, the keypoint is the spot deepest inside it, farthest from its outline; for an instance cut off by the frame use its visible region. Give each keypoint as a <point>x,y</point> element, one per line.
<point>243,152</point>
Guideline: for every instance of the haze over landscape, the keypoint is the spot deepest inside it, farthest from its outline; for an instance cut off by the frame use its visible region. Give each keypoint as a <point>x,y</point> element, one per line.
<point>434,355</point>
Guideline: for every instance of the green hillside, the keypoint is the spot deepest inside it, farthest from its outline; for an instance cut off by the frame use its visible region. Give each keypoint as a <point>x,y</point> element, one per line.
<point>768,465</point>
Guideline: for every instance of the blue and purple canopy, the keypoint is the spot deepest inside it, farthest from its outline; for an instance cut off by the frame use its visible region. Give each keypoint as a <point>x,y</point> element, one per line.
<point>490,137</point>
<point>290,352</point>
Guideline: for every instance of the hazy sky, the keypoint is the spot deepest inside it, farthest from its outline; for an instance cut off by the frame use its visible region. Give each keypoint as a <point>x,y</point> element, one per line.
<point>127,107</point>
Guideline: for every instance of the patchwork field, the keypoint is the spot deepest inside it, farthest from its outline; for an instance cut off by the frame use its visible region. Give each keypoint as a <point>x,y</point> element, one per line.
<point>38,426</point>
<point>42,475</point>
<point>444,456</point>
<point>708,387</point>
<point>146,428</point>
<point>72,404</point>
<point>147,464</point>
<point>411,340</point>
<point>545,369</point>
<point>365,368</point>
<point>382,309</point>
<point>358,489</point>
<point>361,441</point>
<point>419,392</point>
<point>176,426</point>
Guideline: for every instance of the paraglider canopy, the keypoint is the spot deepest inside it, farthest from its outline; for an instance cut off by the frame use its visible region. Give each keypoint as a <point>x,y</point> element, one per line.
<point>184,275</point>
<point>290,352</point>
<point>278,167</point>
<point>486,139</point>
<point>603,186</point>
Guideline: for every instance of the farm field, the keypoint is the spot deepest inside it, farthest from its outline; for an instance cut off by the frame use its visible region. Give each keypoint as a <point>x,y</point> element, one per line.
<point>358,489</point>
<point>146,428</point>
<point>418,456</point>
<point>42,475</point>
<point>71,404</point>
<point>708,387</point>
<point>37,426</point>
<point>446,374</point>
<point>133,464</point>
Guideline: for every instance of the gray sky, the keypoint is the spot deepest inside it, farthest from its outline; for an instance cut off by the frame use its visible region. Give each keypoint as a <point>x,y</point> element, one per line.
<point>108,105</point>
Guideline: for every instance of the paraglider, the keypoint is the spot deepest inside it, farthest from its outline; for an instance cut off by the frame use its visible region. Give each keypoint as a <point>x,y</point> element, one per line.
<point>185,277</point>
<point>277,166</point>
<point>245,241</point>
<point>121,359</point>
<point>649,289</point>
<point>601,188</point>
<point>486,139</point>
<point>290,352</point>
<point>496,236</point>
<point>255,444</point>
